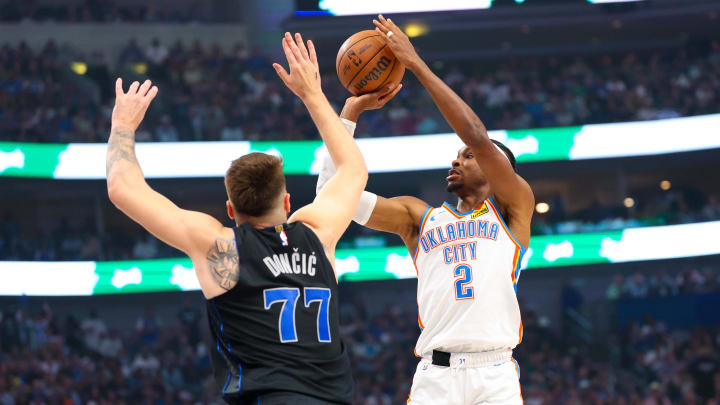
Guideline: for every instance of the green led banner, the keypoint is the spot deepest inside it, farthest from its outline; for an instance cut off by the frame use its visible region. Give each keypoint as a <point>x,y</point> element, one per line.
<point>91,278</point>
<point>421,152</point>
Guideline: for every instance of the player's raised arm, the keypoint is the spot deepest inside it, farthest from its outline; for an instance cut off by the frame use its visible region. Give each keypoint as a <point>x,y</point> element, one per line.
<point>189,231</point>
<point>509,188</point>
<point>398,215</point>
<point>332,210</point>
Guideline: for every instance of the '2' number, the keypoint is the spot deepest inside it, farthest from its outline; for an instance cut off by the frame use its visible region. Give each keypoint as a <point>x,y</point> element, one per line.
<point>289,297</point>
<point>463,277</point>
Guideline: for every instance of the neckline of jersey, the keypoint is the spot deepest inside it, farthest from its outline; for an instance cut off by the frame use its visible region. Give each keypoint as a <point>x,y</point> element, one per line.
<point>450,207</point>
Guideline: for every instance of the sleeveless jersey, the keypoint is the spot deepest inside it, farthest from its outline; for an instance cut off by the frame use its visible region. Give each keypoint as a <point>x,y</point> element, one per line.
<point>468,265</point>
<point>277,329</point>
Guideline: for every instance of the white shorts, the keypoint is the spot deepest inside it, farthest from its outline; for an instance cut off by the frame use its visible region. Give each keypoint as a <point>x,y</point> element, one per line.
<point>491,378</point>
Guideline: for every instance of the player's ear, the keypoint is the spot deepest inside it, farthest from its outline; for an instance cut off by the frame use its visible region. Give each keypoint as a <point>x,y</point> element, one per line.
<point>286,202</point>
<point>230,211</point>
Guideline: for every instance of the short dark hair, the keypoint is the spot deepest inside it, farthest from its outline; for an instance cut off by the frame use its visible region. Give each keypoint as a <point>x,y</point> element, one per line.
<point>508,153</point>
<point>253,181</point>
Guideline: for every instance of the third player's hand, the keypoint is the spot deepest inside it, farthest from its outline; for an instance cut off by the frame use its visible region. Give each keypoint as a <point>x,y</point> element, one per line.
<point>398,42</point>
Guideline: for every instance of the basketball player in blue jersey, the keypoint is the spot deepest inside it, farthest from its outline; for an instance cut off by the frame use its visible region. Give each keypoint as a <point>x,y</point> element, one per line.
<point>269,282</point>
<point>467,255</point>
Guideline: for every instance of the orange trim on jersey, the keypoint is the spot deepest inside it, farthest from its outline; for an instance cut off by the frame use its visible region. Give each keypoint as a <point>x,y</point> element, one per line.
<point>520,332</point>
<point>420,320</point>
<point>457,214</point>
<point>452,211</point>
<point>516,259</point>
<point>502,223</point>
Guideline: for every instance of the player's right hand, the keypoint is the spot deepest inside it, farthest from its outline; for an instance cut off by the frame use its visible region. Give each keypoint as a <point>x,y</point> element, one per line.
<point>398,42</point>
<point>304,76</point>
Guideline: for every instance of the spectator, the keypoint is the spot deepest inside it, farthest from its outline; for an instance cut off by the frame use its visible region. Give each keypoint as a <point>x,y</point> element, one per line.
<point>165,131</point>
<point>148,326</point>
<point>93,328</point>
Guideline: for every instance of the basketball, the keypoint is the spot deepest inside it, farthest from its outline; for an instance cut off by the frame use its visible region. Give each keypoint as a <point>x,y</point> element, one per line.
<point>365,63</point>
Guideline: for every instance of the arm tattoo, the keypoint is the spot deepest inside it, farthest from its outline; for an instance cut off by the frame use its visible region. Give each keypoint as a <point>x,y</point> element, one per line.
<point>121,146</point>
<point>223,261</point>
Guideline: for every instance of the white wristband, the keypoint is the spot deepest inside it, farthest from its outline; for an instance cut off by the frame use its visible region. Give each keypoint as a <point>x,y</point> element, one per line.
<point>349,125</point>
<point>365,207</point>
<point>327,170</point>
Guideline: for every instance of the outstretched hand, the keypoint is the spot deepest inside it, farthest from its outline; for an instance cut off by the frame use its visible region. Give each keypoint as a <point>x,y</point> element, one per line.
<point>398,42</point>
<point>304,76</point>
<point>130,107</point>
<point>370,101</point>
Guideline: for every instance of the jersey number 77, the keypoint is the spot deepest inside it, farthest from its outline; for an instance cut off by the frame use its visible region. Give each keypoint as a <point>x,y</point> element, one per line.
<point>288,297</point>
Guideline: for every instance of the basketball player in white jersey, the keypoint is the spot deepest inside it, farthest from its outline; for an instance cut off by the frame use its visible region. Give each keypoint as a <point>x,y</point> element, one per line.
<point>467,255</point>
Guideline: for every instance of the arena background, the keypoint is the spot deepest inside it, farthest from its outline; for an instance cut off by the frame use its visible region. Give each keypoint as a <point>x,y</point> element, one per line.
<point>613,109</point>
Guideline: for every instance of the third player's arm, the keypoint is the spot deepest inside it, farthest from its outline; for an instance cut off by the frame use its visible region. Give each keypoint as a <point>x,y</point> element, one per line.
<point>513,193</point>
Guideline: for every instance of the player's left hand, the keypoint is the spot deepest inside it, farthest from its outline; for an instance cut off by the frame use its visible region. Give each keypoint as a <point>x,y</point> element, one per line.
<point>398,42</point>
<point>304,76</point>
<point>376,99</point>
<point>355,105</point>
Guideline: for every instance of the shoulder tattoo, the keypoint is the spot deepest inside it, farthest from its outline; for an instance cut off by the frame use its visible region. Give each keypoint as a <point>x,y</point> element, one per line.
<point>223,261</point>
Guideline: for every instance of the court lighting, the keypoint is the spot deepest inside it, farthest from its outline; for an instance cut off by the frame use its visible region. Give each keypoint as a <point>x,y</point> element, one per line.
<point>542,207</point>
<point>629,202</point>
<point>80,68</point>
<point>413,30</point>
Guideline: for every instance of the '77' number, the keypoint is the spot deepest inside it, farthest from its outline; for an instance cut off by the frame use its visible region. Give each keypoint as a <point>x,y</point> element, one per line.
<point>288,297</point>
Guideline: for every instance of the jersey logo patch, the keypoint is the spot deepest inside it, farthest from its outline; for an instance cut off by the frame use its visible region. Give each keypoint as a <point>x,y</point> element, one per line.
<point>480,211</point>
<point>281,233</point>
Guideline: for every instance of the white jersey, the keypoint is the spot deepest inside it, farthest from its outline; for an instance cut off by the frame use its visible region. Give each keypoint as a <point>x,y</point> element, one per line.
<point>468,266</point>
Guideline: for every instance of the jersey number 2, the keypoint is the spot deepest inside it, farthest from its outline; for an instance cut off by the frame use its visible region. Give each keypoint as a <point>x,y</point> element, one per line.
<point>289,297</point>
<point>463,277</point>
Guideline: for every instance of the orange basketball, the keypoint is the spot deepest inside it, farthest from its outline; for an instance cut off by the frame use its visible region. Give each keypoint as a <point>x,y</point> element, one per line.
<point>365,63</point>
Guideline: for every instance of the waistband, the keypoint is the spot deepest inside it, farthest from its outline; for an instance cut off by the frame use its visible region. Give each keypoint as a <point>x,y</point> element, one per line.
<point>461,360</point>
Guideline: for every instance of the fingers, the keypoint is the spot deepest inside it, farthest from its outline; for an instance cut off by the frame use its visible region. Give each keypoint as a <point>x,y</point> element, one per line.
<point>313,55</point>
<point>151,94</point>
<point>380,27</point>
<point>284,76</point>
<point>386,90</point>
<point>293,47</point>
<point>133,88</point>
<point>144,88</point>
<point>118,87</point>
<point>288,53</point>
<point>390,24</point>
<point>387,97</point>
<point>301,45</point>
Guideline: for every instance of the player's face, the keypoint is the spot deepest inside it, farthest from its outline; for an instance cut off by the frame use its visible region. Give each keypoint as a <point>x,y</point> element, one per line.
<point>465,172</point>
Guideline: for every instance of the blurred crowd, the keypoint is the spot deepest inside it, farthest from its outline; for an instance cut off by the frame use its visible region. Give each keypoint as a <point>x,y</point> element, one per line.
<point>96,11</point>
<point>690,280</point>
<point>48,360</point>
<point>210,93</point>
<point>682,205</point>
